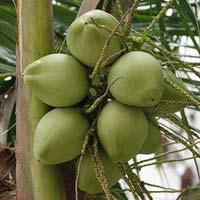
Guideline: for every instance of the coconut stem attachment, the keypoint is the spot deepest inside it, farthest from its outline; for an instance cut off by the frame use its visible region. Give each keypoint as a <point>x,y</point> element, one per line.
<point>107,60</point>
<point>100,99</point>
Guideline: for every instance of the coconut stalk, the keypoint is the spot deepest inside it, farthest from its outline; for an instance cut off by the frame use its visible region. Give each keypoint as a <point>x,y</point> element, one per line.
<point>35,181</point>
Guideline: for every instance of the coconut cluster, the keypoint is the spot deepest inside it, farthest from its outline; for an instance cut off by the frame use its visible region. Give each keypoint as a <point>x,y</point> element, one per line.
<point>126,123</point>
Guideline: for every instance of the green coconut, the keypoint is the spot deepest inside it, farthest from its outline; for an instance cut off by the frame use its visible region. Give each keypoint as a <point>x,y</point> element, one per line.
<point>172,100</point>
<point>122,130</point>
<point>57,79</point>
<point>59,136</point>
<point>87,180</point>
<point>87,35</point>
<point>140,79</point>
<point>153,140</point>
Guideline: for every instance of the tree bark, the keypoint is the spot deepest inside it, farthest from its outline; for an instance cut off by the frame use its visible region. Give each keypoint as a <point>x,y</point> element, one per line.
<point>35,181</point>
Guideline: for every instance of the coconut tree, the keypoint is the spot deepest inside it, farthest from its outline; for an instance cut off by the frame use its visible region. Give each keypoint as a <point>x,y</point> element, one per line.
<point>31,29</point>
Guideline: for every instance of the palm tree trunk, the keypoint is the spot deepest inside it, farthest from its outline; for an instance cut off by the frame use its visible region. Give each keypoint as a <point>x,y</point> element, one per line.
<point>35,181</point>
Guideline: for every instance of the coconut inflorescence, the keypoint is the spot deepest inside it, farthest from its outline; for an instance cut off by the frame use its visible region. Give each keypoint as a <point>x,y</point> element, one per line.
<point>125,123</point>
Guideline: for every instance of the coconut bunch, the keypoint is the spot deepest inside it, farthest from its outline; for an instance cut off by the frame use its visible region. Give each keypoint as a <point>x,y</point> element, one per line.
<point>140,90</point>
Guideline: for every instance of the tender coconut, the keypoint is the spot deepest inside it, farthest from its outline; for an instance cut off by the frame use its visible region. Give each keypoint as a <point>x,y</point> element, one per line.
<point>140,79</point>
<point>58,80</point>
<point>59,136</point>
<point>87,35</point>
<point>122,130</point>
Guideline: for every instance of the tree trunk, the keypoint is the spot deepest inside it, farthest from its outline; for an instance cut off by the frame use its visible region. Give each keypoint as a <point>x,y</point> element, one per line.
<point>35,181</point>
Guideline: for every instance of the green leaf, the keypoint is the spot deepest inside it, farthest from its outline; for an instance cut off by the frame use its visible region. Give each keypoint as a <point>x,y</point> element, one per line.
<point>189,11</point>
<point>187,26</point>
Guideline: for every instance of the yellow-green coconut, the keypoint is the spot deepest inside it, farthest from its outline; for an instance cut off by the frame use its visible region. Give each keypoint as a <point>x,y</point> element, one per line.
<point>59,136</point>
<point>140,79</point>
<point>87,35</point>
<point>122,130</point>
<point>58,80</point>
